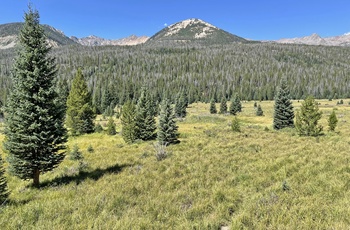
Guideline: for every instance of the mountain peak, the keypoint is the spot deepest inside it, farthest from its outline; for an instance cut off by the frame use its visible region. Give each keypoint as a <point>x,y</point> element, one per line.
<point>193,30</point>
<point>315,36</point>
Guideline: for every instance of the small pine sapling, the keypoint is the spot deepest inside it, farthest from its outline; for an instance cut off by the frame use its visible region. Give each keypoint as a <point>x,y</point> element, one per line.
<point>235,125</point>
<point>212,107</point>
<point>259,111</point>
<point>332,121</point>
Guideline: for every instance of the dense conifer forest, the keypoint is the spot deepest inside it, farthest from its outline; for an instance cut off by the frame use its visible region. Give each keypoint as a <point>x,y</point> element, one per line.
<point>253,70</point>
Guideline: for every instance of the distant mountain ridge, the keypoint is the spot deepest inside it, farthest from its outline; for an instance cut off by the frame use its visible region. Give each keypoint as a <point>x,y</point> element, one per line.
<point>190,31</point>
<point>194,31</point>
<point>97,41</point>
<point>9,35</point>
<point>315,39</point>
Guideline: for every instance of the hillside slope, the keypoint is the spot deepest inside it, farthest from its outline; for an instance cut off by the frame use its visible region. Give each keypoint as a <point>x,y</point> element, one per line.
<point>193,31</point>
<point>9,35</point>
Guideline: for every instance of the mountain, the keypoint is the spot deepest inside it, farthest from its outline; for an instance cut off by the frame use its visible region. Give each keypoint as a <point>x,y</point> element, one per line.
<point>97,41</point>
<point>315,39</point>
<point>193,31</point>
<point>9,35</point>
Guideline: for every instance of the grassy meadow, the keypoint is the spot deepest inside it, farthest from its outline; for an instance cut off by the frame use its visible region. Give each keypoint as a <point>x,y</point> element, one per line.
<point>215,178</point>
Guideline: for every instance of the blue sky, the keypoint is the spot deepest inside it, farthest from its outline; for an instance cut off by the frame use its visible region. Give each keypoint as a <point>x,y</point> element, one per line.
<point>253,19</point>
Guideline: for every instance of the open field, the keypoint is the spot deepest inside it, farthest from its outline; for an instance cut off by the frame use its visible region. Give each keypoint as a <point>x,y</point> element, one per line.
<point>256,179</point>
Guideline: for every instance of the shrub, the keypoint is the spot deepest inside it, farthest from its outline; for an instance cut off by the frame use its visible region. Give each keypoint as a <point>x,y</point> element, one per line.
<point>90,149</point>
<point>235,125</point>
<point>75,154</point>
<point>161,151</point>
<point>98,128</point>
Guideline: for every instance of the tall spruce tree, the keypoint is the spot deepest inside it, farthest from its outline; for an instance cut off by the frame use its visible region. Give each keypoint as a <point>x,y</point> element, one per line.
<point>35,133</point>
<point>145,120</point>
<point>283,110</point>
<point>223,105</point>
<point>3,184</point>
<point>307,118</point>
<point>212,106</point>
<point>128,121</point>
<point>167,128</point>
<point>80,115</point>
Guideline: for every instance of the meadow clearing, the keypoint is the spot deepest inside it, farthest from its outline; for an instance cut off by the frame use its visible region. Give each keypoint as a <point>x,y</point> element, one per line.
<point>254,179</point>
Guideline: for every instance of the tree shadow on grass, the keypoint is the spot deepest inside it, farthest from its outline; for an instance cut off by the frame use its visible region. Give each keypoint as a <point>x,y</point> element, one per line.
<point>84,175</point>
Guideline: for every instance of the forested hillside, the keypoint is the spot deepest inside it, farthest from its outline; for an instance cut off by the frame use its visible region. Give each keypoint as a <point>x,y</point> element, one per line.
<point>253,70</point>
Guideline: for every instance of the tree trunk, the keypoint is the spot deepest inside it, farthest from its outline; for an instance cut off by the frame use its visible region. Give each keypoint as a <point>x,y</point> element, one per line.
<point>36,175</point>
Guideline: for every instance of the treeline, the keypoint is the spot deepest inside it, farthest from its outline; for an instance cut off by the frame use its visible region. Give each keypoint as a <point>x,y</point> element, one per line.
<point>117,74</point>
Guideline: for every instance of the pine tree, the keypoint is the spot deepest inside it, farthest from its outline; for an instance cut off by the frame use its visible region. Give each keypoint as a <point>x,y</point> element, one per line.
<point>223,106</point>
<point>3,184</point>
<point>80,116</point>
<point>232,109</point>
<point>181,105</point>
<point>259,111</point>
<point>128,122</point>
<point>235,125</point>
<point>35,133</point>
<point>235,105</point>
<point>145,120</point>
<point>111,127</point>
<point>283,111</point>
<point>212,107</point>
<point>238,103</point>
<point>332,121</point>
<point>307,118</point>
<point>167,129</point>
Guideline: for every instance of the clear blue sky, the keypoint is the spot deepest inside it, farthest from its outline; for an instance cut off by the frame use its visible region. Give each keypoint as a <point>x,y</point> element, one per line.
<point>254,19</point>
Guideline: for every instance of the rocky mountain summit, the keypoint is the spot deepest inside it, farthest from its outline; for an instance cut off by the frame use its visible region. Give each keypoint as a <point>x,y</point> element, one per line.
<point>193,31</point>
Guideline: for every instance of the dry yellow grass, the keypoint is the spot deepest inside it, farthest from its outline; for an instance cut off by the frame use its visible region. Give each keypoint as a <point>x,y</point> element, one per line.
<point>256,179</point>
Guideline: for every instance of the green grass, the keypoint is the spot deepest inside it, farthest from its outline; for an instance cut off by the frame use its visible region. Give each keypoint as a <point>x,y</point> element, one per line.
<point>255,179</point>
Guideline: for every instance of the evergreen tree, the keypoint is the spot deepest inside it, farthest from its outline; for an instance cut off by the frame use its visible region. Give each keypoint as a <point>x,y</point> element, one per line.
<point>180,106</point>
<point>212,107</point>
<point>106,101</point>
<point>235,105</point>
<point>145,121</point>
<point>235,125</point>
<point>63,92</point>
<point>223,105</point>
<point>238,103</point>
<point>80,116</point>
<point>307,118</point>
<point>259,111</point>
<point>128,122</point>
<point>232,110</point>
<point>35,133</point>
<point>111,127</point>
<point>332,121</point>
<point>3,184</point>
<point>283,110</point>
<point>167,129</point>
